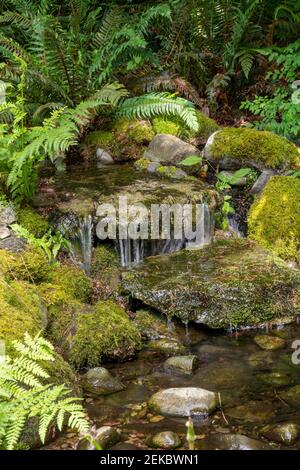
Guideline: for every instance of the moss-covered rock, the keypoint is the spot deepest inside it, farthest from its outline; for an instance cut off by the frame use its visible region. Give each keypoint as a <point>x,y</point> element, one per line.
<point>21,310</point>
<point>32,221</point>
<point>231,283</point>
<point>104,332</point>
<point>274,218</point>
<point>233,148</point>
<point>207,127</point>
<point>104,258</point>
<point>73,281</point>
<point>162,125</point>
<point>139,132</point>
<point>30,265</point>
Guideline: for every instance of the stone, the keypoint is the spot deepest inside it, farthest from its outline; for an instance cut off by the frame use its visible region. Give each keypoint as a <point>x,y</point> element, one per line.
<point>231,283</point>
<point>99,381</point>
<point>284,433</point>
<point>4,232</point>
<point>291,396</point>
<point>103,157</point>
<point>276,379</point>
<point>268,342</point>
<point>105,437</point>
<point>183,401</point>
<point>7,216</point>
<point>167,345</point>
<point>170,150</point>
<point>164,440</point>
<point>231,442</point>
<point>260,359</point>
<point>253,412</point>
<point>183,364</point>
<point>13,244</point>
<point>261,182</point>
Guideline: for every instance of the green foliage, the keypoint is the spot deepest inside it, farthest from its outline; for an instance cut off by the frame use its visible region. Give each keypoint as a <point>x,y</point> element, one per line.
<point>191,161</point>
<point>24,394</point>
<point>263,148</point>
<point>50,244</point>
<point>226,181</point>
<point>279,111</point>
<point>274,218</point>
<point>226,210</point>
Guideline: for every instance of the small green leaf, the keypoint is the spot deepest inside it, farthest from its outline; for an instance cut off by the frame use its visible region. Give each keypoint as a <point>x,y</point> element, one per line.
<point>192,160</point>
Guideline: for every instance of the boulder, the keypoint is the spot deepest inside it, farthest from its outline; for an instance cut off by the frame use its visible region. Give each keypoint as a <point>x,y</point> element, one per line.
<point>99,381</point>
<point>7,216</point>
<point>261,182</point>
<point>183,364</point>
<point>4,232</point>
<point>169,150</point>
<point>268,342</point>
<point>284,433</point>
<point>105,437</point>
<point>103,157</point>
<point>164,440</point>
<point>232,283</point>
<point>231,149</point>
<point>183,401</point>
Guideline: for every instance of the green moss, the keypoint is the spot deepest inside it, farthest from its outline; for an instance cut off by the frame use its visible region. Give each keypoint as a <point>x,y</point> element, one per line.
<point>142,164</point>
<point>103,258</point>
<point>30,265</point>
<point>73,281</point>
<point>102,139</point>
<point>265,148</point>
<point>106,332</point>
<point>139,132</point>
<point>207,126</point>
<point>21,310</point>
<point>32,221</point>
<point>274,218</point>
<point>166,126</point>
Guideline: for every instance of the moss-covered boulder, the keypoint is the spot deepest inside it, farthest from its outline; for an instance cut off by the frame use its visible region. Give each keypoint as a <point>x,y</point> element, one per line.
<point>29,265</point>
<point>161,125</point>
<point>21,310</point>
<point>32,221</point>
<point>274,218</point>
<point>73,281</point>
<point>232,283</point>
<point>233,148</point>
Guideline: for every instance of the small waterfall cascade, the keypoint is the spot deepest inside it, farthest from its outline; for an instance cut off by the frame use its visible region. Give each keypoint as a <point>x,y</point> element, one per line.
<point>82,242</point>
<point>133,251</point>
<point>233,225</point>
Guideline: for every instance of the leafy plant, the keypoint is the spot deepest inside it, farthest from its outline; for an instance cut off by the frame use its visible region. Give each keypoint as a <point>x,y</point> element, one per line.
<point>226,210</point>
<point>25,394</point>
<point>226,181</point>
<point>50,244</point>
<point>192,160</point>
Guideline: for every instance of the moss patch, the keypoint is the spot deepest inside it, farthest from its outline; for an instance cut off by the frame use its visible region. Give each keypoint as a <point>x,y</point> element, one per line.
<point>32,221</point>
<point>265,148</point>
<point>139,132</point>
<point>72,281</point>
<point>106,332</point>
<point>30,265</point>
<point>167,126</point>
<point>274,218</point>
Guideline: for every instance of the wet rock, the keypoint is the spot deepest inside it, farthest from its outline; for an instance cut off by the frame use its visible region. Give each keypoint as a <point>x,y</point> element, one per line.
<point>7,216</point>
<point>105,437</point>
<point>260,359</point>
<point>4,232</point>
<point>103,157</point>
<point>291,396</point>
<point>184,364</point>
<point>183,401</point>
<point>169,150</point>
<point>268,342</point>
<point>167,346</point>
<point>231,442</point>
<point>124,446</point>
<point>99,381</point>
<point>261,181</point>
<point>253,411</point>
<point>284,433</point>
<point>134,393</point>
<point>276,379</point>
<point>164,440</point>
<point>230,283</point>
<point>222,375</point>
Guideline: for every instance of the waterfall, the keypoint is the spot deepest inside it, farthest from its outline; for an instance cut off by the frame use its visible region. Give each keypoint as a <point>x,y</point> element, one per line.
<point>233,225</point>
<point>82,242</point>
<point>134,251</point>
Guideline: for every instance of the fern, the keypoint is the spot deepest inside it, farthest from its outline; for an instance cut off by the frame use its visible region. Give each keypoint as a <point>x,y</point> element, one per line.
<point>24,394</point>
<point>155,104</point>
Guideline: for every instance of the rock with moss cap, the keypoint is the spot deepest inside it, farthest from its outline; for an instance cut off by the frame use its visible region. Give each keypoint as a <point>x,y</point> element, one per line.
<point>233,148</point>
<point>164,440</point>
<point>32,221</point>
<point>73,281</point>
<point>232,283</point>
<point>29,265</point>
<point>99,381</point>
<point>268,342</point>
<point>274,218</point>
